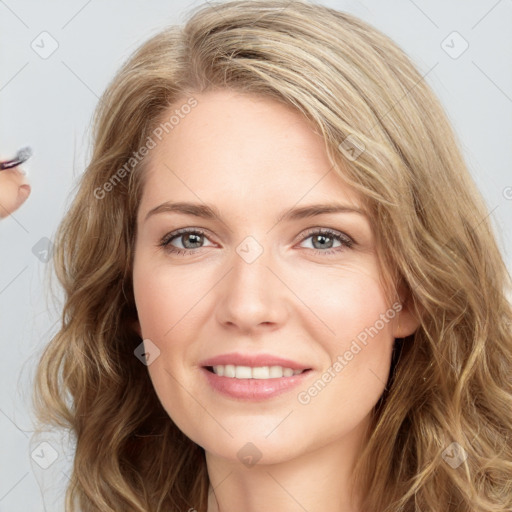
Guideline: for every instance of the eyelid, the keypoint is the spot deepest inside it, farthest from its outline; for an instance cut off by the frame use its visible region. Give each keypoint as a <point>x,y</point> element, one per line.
<point>346,241</point>
<point>327,231</point>
<point>183,231</point>
<point>302,236</point>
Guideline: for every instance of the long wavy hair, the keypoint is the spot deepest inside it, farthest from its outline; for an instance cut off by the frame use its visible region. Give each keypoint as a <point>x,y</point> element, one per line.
<point>450,385</point>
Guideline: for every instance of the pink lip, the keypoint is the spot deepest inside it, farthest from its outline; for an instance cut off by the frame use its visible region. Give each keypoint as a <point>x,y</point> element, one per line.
<point>253,389</point>
<point>253,360</point>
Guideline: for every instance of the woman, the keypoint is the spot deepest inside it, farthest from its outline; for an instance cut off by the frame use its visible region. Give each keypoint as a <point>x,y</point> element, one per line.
<point>337,337</point>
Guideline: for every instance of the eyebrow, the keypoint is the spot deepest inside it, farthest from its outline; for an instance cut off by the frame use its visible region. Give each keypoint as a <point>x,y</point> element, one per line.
<point>206,211</point>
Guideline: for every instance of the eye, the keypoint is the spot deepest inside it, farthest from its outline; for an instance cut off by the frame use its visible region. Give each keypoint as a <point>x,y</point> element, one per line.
<point>323,240</point>
<point>191,239</point>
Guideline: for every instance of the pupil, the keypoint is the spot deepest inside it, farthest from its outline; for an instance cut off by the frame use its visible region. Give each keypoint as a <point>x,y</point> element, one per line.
<point>324,237</point>
<point>321,238</point>
<point>192,235</point>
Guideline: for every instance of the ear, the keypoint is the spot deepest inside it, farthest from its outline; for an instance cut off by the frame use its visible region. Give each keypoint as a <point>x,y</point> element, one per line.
<point>135,325</point>
<point>407,321</point>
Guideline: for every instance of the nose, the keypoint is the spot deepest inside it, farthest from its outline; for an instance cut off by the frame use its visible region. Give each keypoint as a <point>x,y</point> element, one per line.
<point>251,296</point>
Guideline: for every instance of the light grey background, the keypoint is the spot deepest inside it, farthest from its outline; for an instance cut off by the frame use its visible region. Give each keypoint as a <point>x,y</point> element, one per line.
<point>48,103</point>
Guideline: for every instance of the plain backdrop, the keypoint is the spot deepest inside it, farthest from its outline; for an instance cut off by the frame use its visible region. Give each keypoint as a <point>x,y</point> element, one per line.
<point>56,58</point>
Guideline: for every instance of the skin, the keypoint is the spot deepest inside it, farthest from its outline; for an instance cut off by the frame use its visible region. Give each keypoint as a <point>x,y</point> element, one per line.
<point>253,158</point>
<point>14,190</point>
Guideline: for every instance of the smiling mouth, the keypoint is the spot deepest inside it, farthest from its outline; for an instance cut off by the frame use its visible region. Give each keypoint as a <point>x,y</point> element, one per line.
<point>258,372</point>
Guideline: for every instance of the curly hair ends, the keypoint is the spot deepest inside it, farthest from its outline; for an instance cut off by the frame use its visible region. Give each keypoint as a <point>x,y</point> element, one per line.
<point>450,386</point>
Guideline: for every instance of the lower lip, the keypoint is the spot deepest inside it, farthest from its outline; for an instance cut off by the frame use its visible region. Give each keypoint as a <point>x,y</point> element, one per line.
<point>253,389</point>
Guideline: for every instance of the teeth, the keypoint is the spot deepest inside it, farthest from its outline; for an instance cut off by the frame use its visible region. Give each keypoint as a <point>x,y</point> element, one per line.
<point>243,372</point>
<point>259,372</point>
<point>229,370</point>
<point>276,371</point>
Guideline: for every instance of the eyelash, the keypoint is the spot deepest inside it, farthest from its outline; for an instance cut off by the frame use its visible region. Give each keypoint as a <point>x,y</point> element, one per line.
<point>346,241</point>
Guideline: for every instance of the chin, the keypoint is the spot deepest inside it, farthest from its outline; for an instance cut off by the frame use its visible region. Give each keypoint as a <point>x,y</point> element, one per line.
<point>251,452</point>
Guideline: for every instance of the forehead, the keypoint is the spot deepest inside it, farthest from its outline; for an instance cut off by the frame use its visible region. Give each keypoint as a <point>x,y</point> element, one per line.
<point>244,149</point>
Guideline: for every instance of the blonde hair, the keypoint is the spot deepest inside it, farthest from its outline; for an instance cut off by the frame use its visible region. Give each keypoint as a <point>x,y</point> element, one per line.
<point>450,381</point>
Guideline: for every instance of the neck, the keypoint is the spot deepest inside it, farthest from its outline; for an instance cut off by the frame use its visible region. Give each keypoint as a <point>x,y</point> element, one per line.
<point>315,481</point>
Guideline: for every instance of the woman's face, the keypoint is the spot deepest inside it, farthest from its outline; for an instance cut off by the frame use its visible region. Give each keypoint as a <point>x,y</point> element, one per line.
<point>269,279</point>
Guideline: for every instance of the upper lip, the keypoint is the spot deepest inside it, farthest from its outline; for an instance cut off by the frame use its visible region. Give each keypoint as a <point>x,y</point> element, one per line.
<point>253,360</point>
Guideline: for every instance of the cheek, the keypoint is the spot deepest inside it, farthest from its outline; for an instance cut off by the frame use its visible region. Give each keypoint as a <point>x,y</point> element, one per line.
<point>355,331</point>
<point>344,299</point>
<point>163,300</point>
<point>165,296</point>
